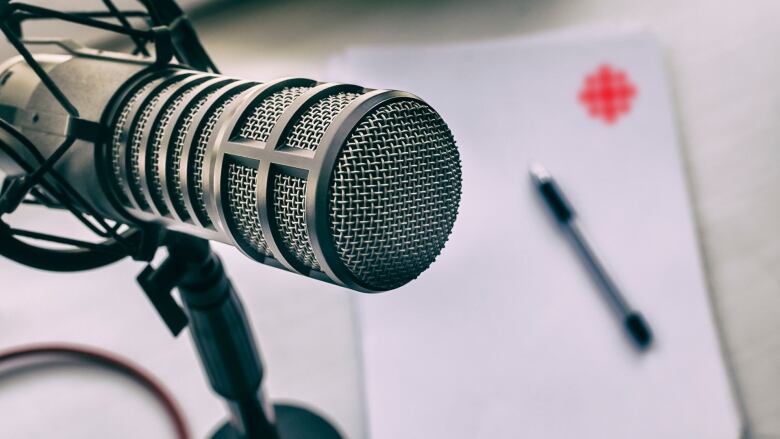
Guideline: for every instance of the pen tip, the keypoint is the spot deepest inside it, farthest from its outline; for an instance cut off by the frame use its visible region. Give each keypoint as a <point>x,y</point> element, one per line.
<point>538,172</point>
<point>639,330</point>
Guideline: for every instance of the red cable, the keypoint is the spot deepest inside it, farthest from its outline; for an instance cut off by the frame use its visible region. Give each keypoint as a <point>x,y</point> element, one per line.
<point>111,361</point>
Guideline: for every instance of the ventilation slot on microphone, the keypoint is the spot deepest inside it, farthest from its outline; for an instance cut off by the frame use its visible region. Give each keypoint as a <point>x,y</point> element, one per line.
<point>394,194</point>
<point>118,140</point>
<point>241,205</point>
<point>289,210</point>
<point>156,149</point>
<point>309,128</point>
<point>200,144</point>
<point>176,151</point>
<point>136,137</point>
<point>258,125</point>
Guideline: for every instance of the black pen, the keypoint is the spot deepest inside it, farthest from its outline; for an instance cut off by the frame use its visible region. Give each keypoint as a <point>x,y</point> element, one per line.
<point>635,324</point>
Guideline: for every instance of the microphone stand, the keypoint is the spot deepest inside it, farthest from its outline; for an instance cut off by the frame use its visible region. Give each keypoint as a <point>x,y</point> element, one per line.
<point>224,342</point>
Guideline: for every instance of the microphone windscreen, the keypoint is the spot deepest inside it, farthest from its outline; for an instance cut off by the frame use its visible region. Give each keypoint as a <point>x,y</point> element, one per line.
<point>394,194</point>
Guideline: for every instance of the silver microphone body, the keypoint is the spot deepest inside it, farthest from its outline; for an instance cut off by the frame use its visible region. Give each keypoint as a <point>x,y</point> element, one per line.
<point>345,184</point>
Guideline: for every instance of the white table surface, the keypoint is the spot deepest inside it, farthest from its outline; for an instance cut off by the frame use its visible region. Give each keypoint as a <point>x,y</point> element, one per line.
<point>723,60</point>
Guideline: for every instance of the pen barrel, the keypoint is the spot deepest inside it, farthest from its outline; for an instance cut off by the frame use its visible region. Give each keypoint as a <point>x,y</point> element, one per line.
<point>634,323</point>
<point>556,201</point>
<point>597,269</point>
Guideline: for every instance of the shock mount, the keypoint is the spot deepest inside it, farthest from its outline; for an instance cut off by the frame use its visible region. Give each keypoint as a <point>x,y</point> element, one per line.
<point>209,303</point>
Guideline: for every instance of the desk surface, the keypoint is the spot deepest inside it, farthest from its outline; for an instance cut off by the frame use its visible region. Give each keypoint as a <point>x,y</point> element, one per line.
<point>722,60</point>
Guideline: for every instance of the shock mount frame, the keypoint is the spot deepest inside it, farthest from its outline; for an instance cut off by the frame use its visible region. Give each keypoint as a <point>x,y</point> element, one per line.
<point>210,306</point>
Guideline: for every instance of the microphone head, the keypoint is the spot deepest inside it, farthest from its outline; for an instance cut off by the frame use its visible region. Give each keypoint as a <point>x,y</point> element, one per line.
<point>393,193</point>
<point>356,186</point>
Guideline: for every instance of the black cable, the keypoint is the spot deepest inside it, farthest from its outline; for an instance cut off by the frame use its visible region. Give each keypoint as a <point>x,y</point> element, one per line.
<point>87,355</point>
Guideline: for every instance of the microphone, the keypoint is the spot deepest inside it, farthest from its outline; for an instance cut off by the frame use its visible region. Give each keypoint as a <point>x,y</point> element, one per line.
<point>342,183</point>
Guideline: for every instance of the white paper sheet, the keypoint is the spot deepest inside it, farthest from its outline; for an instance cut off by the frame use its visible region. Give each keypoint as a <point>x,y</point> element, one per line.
<point>506,336</point>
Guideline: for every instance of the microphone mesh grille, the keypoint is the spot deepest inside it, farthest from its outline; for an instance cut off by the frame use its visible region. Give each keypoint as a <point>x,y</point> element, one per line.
<point>308,130</point>
<point>177,151</point>
<point>242,205</point>
<point>262,120</point>
<point>289,192</point>
<point>394,194</point>
<point>136,140</point>
<point>156,147</point>
<point>289,198</point>
<point>117,142</point>
<point>198,158</point>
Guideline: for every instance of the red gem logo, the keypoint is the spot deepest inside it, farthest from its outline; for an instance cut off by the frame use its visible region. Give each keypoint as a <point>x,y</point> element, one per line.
<point>607,93</point>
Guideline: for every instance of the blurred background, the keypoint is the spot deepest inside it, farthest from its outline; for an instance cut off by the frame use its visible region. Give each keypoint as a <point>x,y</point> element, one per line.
<point>723,63</point>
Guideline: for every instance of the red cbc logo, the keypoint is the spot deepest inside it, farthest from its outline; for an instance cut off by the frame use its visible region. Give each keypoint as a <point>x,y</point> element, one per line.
<point>607,93</point>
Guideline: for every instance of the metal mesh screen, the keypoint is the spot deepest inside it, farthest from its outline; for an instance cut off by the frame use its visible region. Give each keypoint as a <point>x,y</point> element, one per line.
<point>198,153</point>
<point>242,206</point>
<point>176,151</point>
<point>136,138</point>
<point>308,130</point>
<point>289,207</point>
<point>262,120</point>
<point>157,149</point>
<point>394,194</point>
<point>116,143</point>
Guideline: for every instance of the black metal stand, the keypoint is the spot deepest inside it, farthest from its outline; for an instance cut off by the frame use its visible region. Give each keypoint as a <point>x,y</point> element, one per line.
<point>224,342</point>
